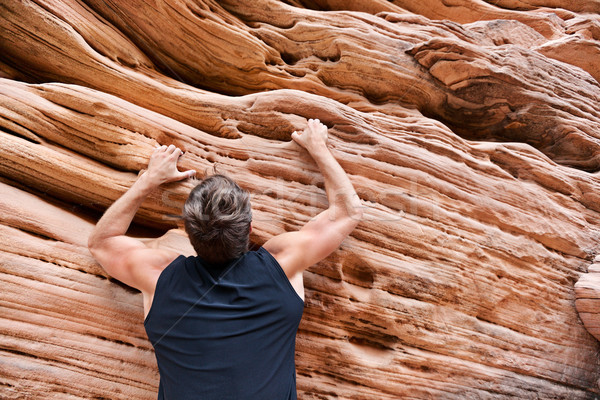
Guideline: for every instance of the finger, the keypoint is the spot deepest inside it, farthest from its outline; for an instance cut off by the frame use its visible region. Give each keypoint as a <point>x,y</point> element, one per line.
<point>174,153</point>
<point>171,148</point>
<point>186,174</point>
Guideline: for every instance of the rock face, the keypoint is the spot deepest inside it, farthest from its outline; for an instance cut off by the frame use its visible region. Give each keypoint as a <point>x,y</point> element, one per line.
<point>471,132</point>
<point>587,298</point>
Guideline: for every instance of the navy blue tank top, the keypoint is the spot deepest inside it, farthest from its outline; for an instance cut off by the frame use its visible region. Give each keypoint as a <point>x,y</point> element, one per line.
<point>225,333</point>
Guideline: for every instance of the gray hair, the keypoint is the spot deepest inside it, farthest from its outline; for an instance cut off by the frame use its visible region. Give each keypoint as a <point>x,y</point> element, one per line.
<point>217,216</point>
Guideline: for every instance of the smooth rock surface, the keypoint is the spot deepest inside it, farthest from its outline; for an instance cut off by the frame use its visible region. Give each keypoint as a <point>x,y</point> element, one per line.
<point>471,132</point>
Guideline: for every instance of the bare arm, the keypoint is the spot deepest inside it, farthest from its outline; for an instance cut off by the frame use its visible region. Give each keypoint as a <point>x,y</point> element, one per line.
<point>296,251</point>
<point>125,258</point>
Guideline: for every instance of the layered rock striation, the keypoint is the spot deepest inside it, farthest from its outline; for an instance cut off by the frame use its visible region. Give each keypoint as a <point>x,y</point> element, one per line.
<point>470,130</point>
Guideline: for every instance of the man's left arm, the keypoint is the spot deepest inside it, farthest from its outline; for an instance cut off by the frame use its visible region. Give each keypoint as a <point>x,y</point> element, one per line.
<point>124,258</point>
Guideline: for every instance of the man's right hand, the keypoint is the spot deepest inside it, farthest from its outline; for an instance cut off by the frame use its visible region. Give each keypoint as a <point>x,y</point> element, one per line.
<point>313,137</point>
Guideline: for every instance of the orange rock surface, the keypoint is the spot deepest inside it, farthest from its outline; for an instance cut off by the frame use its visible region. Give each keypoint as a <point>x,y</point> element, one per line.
<point>470,129</point>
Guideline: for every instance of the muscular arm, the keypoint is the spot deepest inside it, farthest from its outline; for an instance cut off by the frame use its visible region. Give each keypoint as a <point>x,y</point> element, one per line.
<point>125,258</point>
<point>342,198</point>
<point>296,251</point>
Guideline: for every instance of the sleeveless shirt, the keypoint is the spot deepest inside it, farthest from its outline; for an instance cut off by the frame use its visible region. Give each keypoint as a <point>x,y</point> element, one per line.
<point>227,332</point>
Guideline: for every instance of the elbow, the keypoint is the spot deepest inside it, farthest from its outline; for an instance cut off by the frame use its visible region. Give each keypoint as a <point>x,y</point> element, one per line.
<point>98,253</point>
<point>354,217</point>
<point>96,239</point>
<point>352,214</point>
<point>357,212</point>
<point>357,215</point>
<point>93,243</point>
<point>354,210</point>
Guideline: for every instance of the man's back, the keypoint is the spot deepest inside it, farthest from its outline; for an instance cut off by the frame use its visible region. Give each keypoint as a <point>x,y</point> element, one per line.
<point>225,333</point>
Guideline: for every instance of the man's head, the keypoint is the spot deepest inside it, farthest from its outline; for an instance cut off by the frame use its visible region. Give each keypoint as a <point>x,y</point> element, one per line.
<point>217,218</point>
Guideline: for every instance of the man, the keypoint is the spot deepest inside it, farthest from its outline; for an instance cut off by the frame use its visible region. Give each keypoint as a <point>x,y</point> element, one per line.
<point>223,323</point>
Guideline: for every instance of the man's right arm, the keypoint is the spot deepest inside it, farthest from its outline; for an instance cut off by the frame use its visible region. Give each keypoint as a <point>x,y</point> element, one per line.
<point>296,251</point>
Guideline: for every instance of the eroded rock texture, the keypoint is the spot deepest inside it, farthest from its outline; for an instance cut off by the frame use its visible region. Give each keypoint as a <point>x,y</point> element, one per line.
<point>587,298</point>
<point>470,130</point>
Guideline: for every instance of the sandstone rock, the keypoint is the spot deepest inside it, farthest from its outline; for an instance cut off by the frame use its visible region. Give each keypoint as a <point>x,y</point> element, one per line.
<point>587,293</point>
<point>470,131</point>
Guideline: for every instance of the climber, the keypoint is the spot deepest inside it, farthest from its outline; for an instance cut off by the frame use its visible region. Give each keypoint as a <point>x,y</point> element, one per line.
<point>223,323</point>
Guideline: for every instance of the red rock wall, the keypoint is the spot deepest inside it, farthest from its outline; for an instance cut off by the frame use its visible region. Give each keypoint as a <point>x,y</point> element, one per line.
<point>469,129</point>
